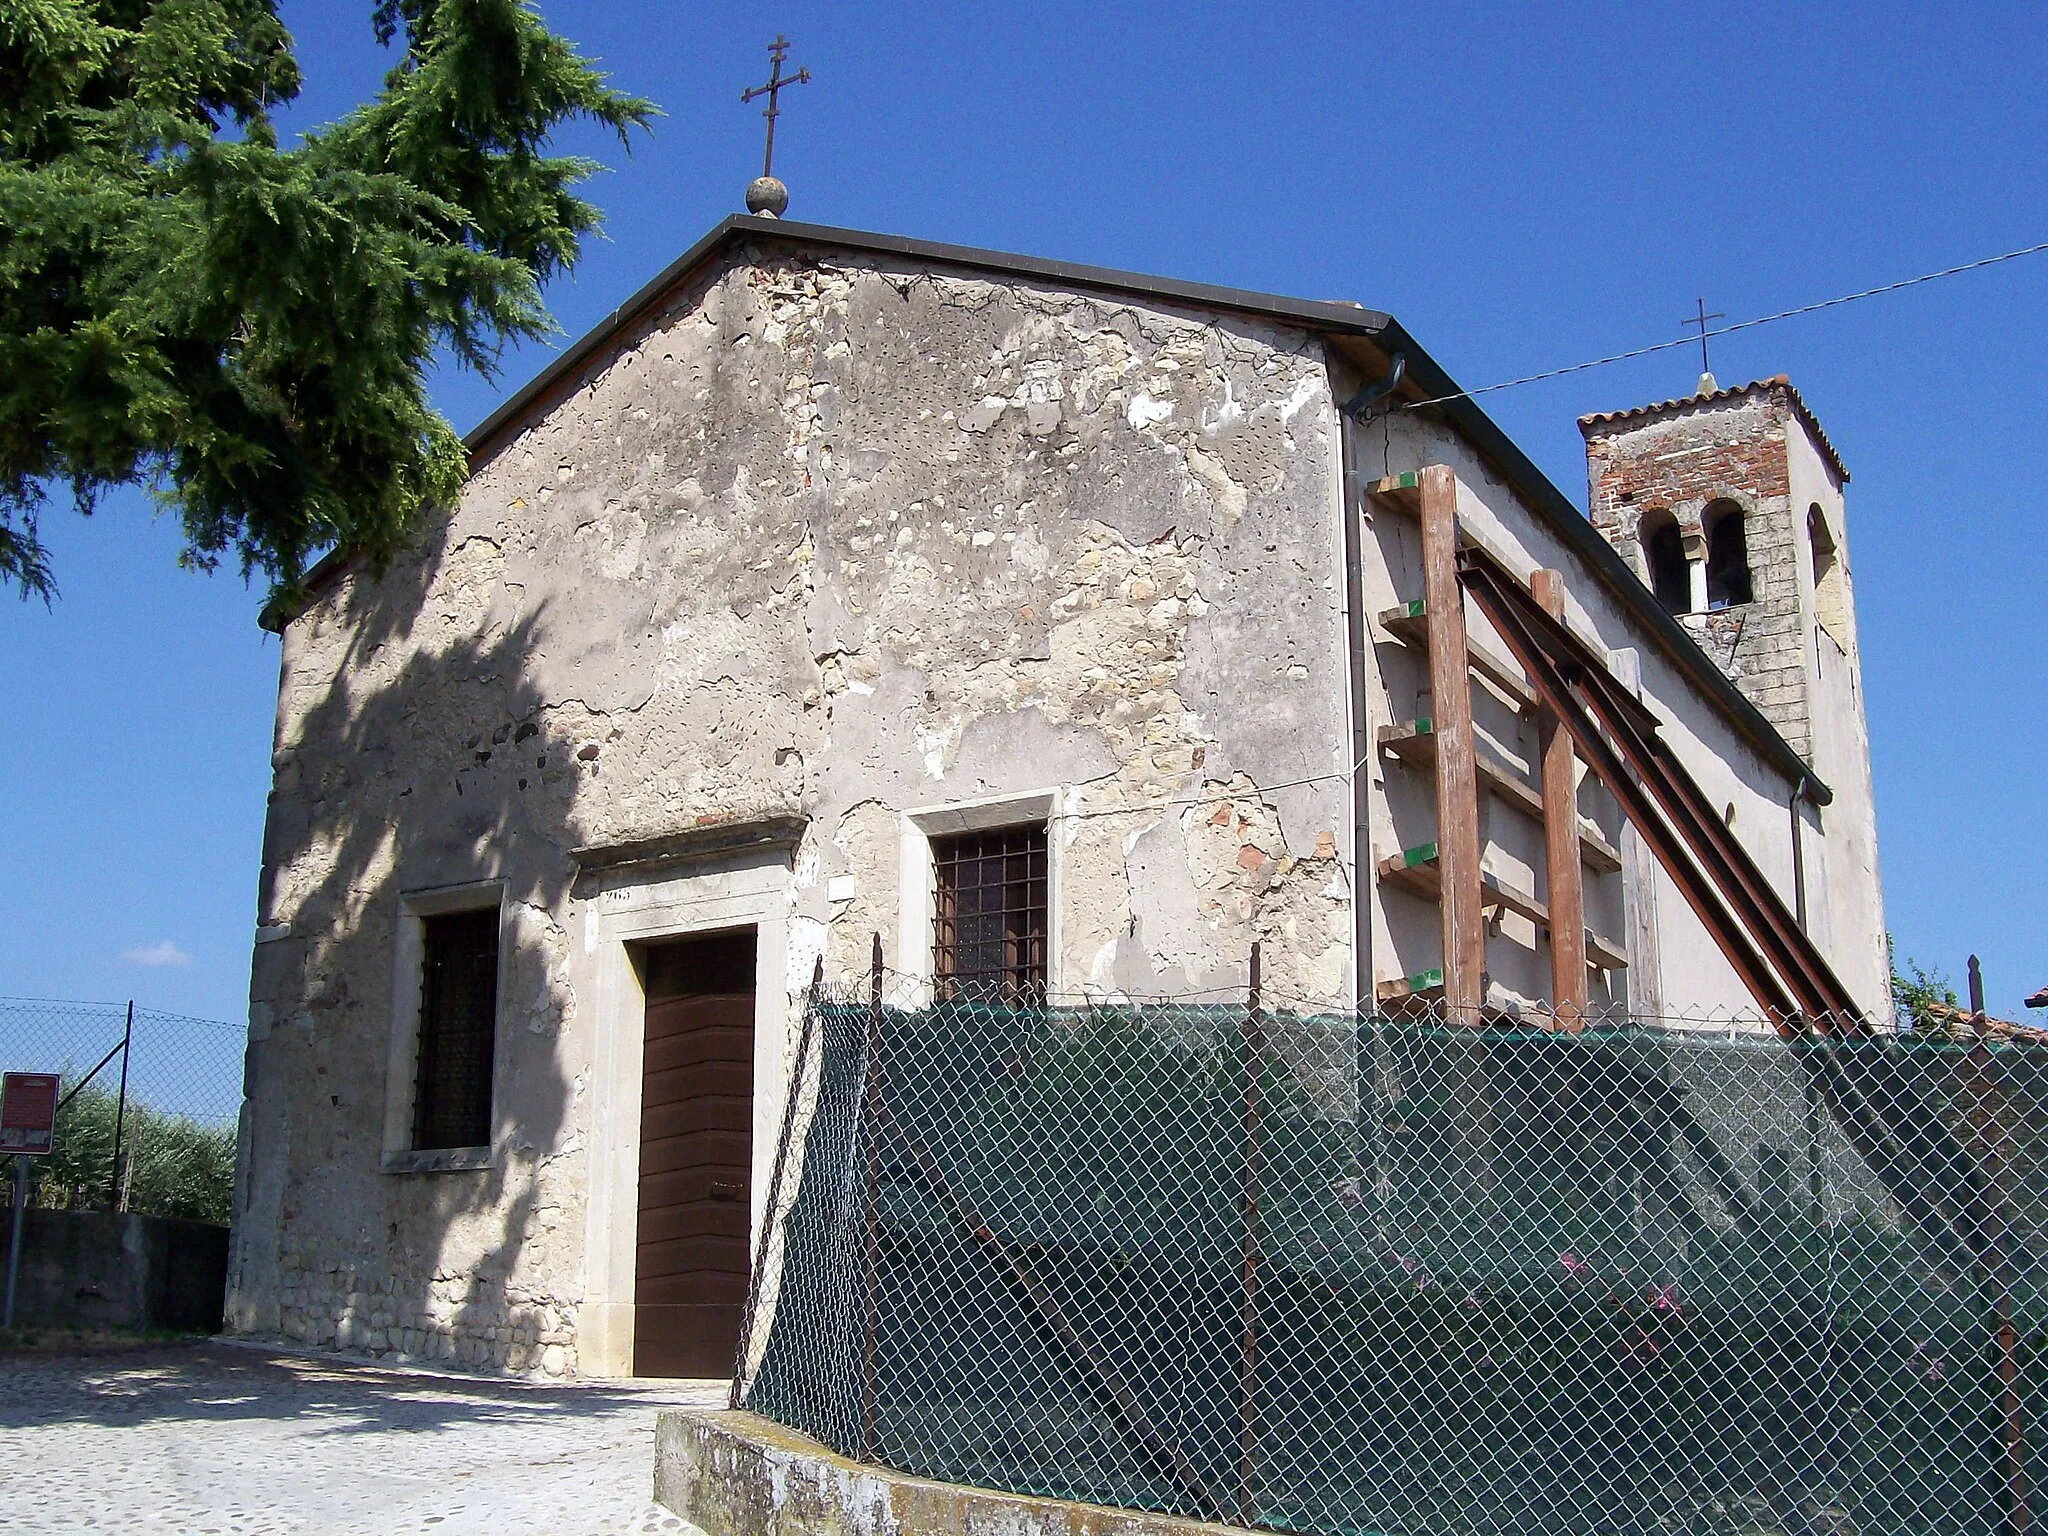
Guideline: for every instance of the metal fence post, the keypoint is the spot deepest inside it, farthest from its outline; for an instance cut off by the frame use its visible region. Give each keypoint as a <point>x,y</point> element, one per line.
<point>1254,1045</point>
<point>21,1169</point>
<point>192,1091</point>
<point>871,1146</point>
<point>796,1083</point>
<point>118,1190</point>
<point>1990,1127</point>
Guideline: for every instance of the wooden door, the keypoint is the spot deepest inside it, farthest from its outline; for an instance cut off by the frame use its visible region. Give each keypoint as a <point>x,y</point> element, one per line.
<point>696,1152</point>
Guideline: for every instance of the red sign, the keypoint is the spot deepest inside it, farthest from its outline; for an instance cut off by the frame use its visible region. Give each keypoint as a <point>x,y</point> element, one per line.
<point>28,1111</point>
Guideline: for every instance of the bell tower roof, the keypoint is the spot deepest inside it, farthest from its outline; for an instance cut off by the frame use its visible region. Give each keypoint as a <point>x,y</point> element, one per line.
<point>1602,422</point>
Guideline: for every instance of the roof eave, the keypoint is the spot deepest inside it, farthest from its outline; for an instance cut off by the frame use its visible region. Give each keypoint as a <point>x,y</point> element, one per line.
<point>1602,421</point>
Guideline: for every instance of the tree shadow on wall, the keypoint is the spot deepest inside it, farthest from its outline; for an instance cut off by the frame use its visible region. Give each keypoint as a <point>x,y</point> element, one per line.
<point>415,754</point>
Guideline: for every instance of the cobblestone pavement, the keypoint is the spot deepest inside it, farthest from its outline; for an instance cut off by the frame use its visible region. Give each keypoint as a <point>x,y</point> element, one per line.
<point>215,1437</point>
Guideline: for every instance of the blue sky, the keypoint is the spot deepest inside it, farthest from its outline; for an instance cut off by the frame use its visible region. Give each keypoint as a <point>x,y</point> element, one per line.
<point>1523,189</point>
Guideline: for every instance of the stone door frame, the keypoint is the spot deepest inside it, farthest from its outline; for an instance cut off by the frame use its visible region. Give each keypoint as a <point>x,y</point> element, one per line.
<point>639,905</point>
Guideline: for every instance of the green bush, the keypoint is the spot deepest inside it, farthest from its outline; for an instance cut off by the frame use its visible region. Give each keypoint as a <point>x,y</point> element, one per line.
<point>178,1166</point>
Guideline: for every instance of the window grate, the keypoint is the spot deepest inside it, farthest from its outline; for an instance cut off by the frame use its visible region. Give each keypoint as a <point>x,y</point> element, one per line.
<point>989,915</point>
<point>458,1018</point>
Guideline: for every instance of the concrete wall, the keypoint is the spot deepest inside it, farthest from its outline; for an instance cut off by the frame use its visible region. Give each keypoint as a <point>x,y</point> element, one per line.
<point>837,540</point>
<point>737,1474</point>
<point>102,1269</point>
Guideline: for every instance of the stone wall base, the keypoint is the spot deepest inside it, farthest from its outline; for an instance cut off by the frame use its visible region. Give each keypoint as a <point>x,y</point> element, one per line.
<point>738,1474</point>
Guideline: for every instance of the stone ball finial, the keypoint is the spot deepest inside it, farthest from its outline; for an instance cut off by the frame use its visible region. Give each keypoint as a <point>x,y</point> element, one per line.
<point>767,197</point>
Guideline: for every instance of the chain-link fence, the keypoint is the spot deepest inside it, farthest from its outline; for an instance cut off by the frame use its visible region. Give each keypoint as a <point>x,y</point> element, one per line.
<point>150,1108</point>
<point>1350,1274</point>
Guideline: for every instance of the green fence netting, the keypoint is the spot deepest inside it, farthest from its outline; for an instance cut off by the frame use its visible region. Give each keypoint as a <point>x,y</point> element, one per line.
<point>1342,1274</point>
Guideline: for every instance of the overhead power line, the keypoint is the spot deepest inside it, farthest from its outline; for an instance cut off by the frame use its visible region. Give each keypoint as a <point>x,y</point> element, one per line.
<point>1729,330</point>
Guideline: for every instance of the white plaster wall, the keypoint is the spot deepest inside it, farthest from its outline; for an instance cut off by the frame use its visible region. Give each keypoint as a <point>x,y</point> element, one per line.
<point>1846,891</point>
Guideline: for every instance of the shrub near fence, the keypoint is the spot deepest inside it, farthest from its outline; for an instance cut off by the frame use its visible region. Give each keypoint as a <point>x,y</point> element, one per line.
<point>177,1124</point>
<point>1347,1275</point>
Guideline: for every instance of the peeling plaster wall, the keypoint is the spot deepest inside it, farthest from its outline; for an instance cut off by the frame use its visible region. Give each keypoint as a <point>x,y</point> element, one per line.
<point>837,538</point>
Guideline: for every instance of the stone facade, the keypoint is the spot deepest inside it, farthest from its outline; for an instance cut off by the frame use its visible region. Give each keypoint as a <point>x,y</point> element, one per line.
<point>830,540</point>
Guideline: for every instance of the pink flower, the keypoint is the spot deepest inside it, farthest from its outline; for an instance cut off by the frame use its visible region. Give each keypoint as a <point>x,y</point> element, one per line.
<point>1664,1298</point>
<point>1575,1268</point>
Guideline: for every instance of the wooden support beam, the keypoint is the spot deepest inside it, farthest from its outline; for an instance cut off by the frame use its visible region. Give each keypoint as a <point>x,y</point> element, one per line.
<point>1457,769</point>
<point>1401,492</point>
<point>1424,986</point>
<point>1567,877</point>
<point>1415,743</point>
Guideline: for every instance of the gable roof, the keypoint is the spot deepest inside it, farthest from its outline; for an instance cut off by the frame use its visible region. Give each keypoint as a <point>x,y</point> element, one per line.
<point>1369,337</point>
<point>1777,381</point>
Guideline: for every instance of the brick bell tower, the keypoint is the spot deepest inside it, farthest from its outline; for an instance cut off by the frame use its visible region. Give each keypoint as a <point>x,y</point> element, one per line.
<point>1728,503</point>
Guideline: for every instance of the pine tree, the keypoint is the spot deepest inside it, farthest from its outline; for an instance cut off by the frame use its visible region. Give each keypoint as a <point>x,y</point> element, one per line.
<point>244,329</point>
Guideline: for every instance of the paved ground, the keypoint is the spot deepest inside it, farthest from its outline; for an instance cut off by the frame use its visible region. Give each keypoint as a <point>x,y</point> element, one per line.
<point>214,1437</point>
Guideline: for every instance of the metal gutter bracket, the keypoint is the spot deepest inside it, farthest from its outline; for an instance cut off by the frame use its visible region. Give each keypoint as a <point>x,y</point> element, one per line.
<point>1360,406</point>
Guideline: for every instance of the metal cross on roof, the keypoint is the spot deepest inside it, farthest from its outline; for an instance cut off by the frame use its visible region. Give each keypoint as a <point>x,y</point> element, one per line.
<point>1699,320</point>
<point>773,89</point>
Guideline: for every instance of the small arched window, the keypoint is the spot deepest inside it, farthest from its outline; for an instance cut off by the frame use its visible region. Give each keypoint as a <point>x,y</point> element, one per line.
<point>1728,578</point>
<point>1664,554</point>
<point>1830,599</point>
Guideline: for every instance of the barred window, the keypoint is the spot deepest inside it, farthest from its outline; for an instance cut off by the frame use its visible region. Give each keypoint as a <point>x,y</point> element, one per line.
<point>458,1023</point>
<point>989,914</point>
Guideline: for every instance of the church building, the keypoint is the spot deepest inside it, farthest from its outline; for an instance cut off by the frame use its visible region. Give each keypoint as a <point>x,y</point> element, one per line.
<point>1068,629</point>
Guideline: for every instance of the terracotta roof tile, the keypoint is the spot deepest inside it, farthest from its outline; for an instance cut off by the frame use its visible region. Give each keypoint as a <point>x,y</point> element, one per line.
<point>1961,1023</point>
<point>1777,381</point>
